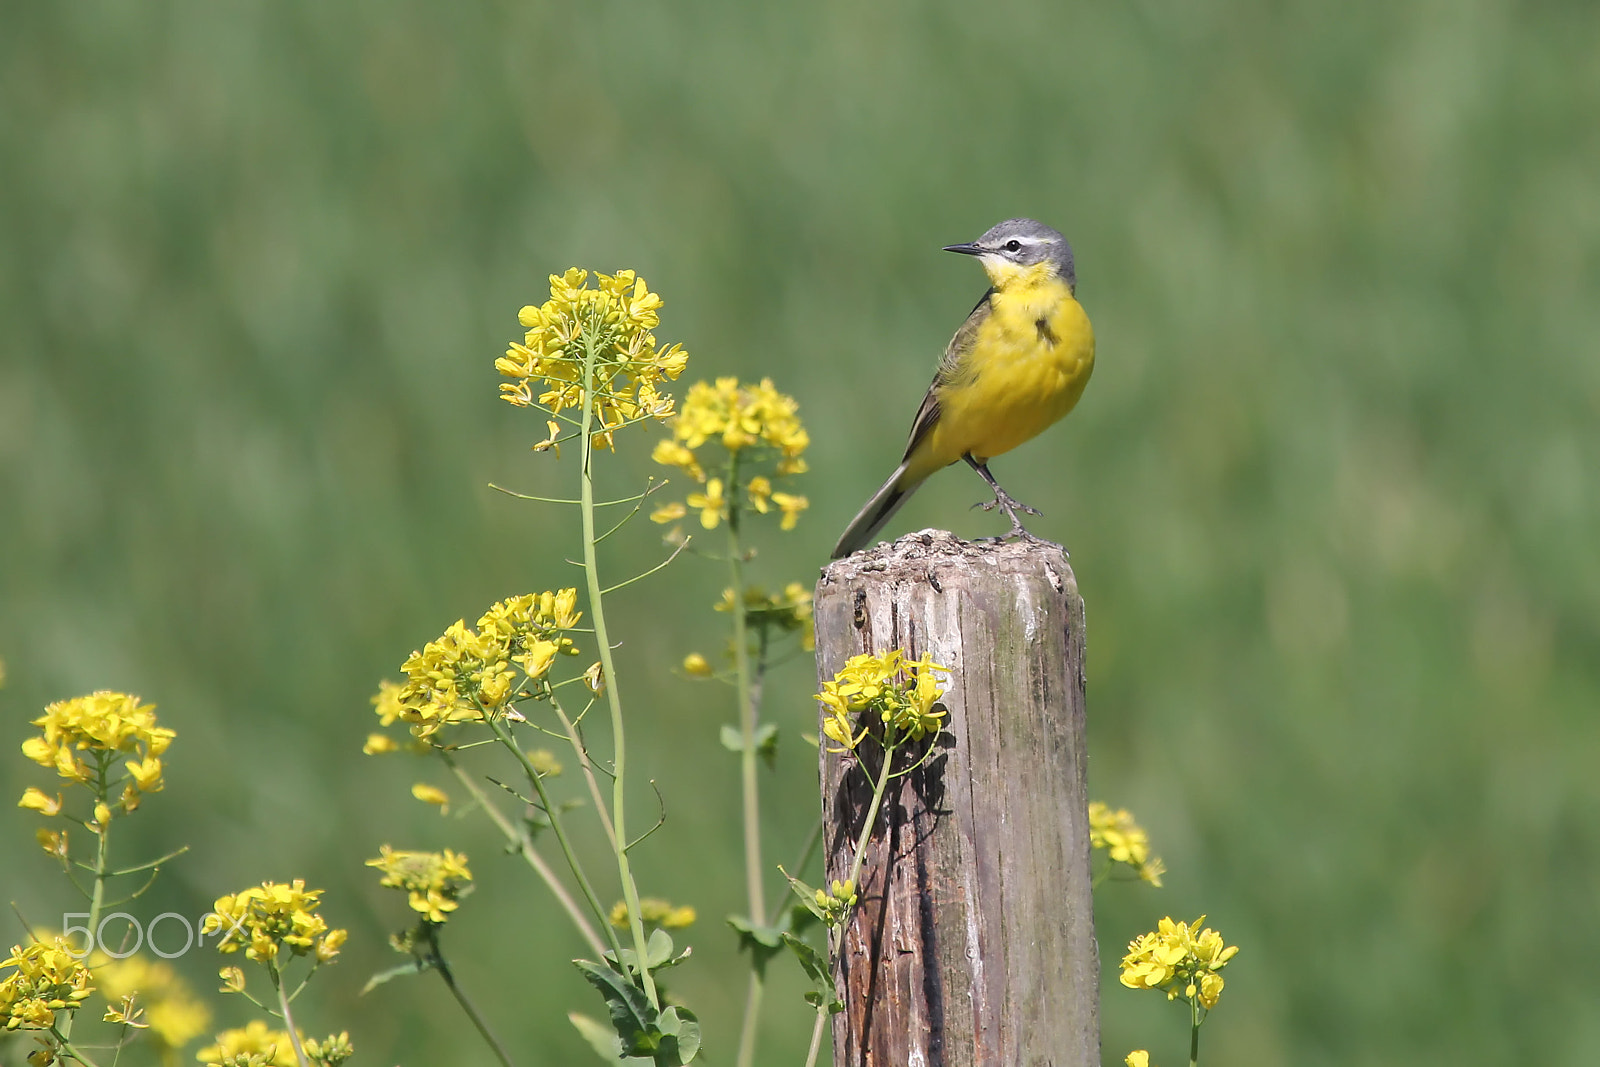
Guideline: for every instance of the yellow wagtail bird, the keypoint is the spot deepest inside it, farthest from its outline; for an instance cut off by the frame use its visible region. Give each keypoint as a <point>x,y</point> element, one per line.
<point>1017,364</point>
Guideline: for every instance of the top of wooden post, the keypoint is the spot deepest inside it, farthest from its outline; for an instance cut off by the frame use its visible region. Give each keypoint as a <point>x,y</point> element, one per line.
<point>921,553</point>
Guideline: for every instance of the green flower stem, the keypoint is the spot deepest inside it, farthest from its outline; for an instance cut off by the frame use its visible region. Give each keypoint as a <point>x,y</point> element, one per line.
<point>587,767</point>
<point>288,1018</point>
<point>102,872</point>
<point>431,933</point>
<point>1194,1031</point>
<point>591,573</point>
<point>67,1046</point>
<point>523,843</point>
<point>554,815</point>
<point>816,1037</point>
<point>748,771</point>
<point>755,990</point>
<point>872,815</point>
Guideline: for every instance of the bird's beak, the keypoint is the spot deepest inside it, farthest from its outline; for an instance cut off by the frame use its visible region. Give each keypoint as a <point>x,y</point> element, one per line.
<point>966,250</point>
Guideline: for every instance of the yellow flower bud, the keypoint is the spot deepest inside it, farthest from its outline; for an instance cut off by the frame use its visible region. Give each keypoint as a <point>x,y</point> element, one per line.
<point>431,794</point>
<point>328,947</point>
<point>53,842</point>
<point>378,744</point>
<point>232,979</point>
<point>41,802</point>
<point>696,666</point>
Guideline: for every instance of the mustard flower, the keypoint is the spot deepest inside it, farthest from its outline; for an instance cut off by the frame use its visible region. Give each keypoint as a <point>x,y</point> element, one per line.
<point>754,422</point>
<point>671,453</point>
<point>1180,958</point>
<point>1124,841</point>
<point>671,511</point>
<point>266,919</point>
<point>464,668</point>
<point>254,1045</point>
<point>432,794</point>
<point>45,978</point>
<point>739,416</point>
<point>902,693</point>
<point>654,911</point>
<point>172,1012</point>
<point>791,506</point>
<point>52,841</point>
<point>711,504</point>
<point>40,801</point>
<point>104,726</point>
<point>836,901</point>
<point>434,881</point>
<point>545,763</point>
<point>1137,1058</point>
<point>614,319</point>
<point>330,1051</point>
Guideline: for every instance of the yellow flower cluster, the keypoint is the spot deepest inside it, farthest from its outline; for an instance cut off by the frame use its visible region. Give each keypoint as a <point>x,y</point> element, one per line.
<point>836,901</point>
<point>435,881</point>
<point>1125,841</point>
<point>654,911</point>
<point>330,1051</point>
<point>1180,958</point>
<point>171,1010</point>
<point>902,692</point>
<point>45,978</point>
<point>102,726</point>
<point>739,417</point>
<point>254,1045</point>
<point>264,919</point>
<point>614,320</point>
<point>462,669</point>
<point>789,610</point>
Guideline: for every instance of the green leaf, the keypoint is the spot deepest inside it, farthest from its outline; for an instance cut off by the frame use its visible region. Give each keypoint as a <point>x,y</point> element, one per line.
<point>767,743</point>
<point>815,964</point>
<point>599,1036</point>
<point>631,1014</point>
<point>807,895</point>
<point>657,954</point>
<point>766,740</point>
<point>658,950</point>
<point>680,1037</point>
<point>811,961</point>
<point>801,918</point>
<point>763,942</point>
<point>413,967</point>
<point>769,936</point>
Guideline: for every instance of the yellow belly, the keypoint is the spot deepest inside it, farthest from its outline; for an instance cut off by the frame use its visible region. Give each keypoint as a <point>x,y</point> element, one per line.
<point>1026,369</point>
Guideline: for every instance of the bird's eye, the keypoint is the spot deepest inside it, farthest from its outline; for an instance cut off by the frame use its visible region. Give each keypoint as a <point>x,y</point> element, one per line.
<point>1013,246</point>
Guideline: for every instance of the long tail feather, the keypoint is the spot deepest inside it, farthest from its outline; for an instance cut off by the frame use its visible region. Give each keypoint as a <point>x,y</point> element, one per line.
<point>879,510</point>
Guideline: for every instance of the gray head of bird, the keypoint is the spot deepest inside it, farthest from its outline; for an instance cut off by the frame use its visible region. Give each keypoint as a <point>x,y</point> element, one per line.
<point>1016,246</point>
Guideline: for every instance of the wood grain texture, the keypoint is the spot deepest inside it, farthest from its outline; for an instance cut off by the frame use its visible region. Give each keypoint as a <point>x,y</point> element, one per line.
<point>973,943</point>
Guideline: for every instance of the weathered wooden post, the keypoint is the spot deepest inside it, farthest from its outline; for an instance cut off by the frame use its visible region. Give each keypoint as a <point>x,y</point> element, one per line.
<point>973,943</point>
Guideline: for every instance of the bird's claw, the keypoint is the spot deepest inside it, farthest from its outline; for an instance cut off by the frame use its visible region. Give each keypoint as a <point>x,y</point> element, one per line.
<point>1008,505</point>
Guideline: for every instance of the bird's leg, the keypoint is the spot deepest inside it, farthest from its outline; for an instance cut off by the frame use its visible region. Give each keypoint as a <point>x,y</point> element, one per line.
<point>1004,501</point>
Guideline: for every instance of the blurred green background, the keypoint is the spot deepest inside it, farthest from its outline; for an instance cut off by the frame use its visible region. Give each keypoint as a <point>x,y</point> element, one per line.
<point>1331,497</point>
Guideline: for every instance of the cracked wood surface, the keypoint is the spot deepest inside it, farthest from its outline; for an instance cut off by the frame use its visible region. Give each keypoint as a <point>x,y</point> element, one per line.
<point>973,943</point>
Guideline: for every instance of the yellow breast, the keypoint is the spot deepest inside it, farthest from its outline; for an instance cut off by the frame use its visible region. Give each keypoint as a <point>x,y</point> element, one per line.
<point>1026,368</point>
